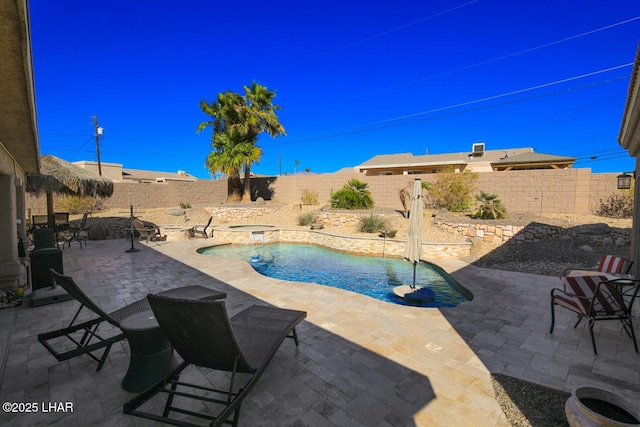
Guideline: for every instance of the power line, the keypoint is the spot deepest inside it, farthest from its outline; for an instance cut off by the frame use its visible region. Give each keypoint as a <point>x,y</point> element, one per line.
<point>499,58</point>
<point>384,33</point>
<point>346,131</point>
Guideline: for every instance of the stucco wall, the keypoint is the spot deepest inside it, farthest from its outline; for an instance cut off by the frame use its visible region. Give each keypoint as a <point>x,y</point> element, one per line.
<point>546,191</point>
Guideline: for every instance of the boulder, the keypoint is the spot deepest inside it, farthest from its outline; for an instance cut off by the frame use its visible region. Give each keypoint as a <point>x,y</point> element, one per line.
<point>176,212</point>
<point>592,229</point>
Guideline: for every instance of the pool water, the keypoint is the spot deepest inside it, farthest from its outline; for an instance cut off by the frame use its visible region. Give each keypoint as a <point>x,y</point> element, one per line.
<point>372,276</point>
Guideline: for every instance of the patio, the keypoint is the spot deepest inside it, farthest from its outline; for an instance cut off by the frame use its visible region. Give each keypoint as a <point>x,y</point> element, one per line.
<point>361,362</point>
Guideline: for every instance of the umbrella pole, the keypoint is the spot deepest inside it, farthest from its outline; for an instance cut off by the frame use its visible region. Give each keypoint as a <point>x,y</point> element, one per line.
<point>132,231</point>
<point>414,276</point>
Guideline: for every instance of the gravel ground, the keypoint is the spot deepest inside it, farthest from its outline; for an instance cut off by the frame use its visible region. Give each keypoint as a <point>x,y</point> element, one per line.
<point>524,403</point>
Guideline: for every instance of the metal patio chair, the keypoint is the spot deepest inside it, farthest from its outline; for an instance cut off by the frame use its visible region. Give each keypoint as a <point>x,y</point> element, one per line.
<point>597,298</point>
<point>610,264</point>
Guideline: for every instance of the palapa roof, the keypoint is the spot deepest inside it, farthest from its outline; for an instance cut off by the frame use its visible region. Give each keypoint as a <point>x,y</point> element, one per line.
<point>60,176</point>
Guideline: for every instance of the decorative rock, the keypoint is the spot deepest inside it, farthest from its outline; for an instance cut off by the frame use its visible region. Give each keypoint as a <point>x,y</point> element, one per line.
<point>592,229</point>
<point>176,212</point>
<point>260,201</point>
<point>586,248</point>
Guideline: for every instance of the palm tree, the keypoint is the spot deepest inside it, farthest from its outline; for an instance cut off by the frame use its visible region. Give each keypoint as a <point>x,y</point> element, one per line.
<point>260,118</point>
<point>237,121</point>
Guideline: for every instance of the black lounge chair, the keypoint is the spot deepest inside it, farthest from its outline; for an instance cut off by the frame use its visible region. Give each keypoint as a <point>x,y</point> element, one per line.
<point>90,341</point>
<point>203,335</point>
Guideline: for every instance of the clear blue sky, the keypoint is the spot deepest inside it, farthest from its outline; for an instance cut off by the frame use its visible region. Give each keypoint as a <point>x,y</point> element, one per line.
<point>354,78</point>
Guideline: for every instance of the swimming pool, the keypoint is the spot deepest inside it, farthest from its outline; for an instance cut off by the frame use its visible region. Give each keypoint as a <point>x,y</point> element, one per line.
<point>371,276</point>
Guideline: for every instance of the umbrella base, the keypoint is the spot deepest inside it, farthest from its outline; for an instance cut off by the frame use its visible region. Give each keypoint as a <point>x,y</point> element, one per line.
<point>419,295</point>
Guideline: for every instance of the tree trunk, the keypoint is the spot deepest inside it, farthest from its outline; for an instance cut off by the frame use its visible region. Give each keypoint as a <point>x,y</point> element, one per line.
<point>234,189</point>
<point>246,194</point>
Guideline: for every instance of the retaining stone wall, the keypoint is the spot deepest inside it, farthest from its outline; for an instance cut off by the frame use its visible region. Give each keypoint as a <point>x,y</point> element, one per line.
<point>499,233</point>
<point>235,213</point>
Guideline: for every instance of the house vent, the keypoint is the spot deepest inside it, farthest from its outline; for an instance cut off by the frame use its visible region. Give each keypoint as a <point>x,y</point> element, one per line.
<point>478,149</point>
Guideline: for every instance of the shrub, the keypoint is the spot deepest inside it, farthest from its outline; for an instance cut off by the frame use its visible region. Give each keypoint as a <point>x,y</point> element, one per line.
<point>76,205</point>
<point>405,196</point>
<point>309,197</point>
<point>452,191</point>
<point>617,206</point>
<point>306,218</point>
<point>372,223</point>
<point>185,205</point>
<point>491,206</point>
<point>354,195</point>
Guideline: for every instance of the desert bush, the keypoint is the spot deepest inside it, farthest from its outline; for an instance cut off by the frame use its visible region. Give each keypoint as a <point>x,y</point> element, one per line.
<point>306,218</point>
<point>491,206</point>
<point>372,223</point>
<point>76,205</point>
<point>185,205</point>
<point>616,206</point>
<point>354,195</point>
<point>453,191</point>
<point>405,196</point>
<point>309,197</point>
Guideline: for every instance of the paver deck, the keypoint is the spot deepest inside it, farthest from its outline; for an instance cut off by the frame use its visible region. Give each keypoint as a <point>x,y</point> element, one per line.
<point>361,361</point>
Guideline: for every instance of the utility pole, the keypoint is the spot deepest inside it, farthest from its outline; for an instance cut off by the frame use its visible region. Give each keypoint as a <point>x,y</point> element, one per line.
<point>280,162</point>
<point>98,132</point>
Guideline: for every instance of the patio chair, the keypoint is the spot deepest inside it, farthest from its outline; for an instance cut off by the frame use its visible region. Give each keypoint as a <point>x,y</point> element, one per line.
<point>597,298</point>
<point>147,233</point>
<point>202,231</point>
<point>78,233</point>
<point>203,335</point>
<point>610,264</point>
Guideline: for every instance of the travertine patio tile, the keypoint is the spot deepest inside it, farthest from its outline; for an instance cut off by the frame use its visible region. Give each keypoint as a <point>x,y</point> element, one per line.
<point>360,360</point>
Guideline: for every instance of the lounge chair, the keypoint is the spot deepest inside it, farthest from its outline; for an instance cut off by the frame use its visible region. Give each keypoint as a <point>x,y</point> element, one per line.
<point>597,298</point>
<point>612,265</point>
<point>90,341</point>
<point>147,233</point>
<point>202,230</point>
<point>203,335</point>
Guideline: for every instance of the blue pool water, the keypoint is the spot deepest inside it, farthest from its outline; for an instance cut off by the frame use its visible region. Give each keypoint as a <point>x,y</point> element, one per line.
<point>371,276</point>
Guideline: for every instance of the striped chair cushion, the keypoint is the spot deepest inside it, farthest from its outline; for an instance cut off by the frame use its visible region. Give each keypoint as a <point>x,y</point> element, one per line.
<point>611,264</point>
<point>608,301</point>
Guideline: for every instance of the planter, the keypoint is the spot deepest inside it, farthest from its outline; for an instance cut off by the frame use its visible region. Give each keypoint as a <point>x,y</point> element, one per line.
<point>594,407</point>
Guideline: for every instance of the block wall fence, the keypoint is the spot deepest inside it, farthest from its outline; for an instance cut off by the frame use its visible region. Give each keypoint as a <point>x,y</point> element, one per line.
<point>535,191</point>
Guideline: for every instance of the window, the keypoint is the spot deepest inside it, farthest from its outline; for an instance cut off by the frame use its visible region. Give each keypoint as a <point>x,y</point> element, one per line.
<point>384,173</point>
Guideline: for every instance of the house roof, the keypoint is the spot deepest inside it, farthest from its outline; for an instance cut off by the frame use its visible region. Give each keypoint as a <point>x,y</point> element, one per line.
<point>146,175</point>
<point>533,158</point>
<point>629,136</point>
<point>408,159</point>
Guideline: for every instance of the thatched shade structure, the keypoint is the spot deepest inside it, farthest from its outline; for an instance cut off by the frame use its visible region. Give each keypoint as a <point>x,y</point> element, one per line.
<point>59,176</point>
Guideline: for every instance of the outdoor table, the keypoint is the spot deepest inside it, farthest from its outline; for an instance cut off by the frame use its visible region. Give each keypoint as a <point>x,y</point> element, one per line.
<point>150,351</point>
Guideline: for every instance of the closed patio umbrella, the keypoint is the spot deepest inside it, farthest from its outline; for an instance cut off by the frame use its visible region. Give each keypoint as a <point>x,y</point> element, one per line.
<point>413,250</point>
